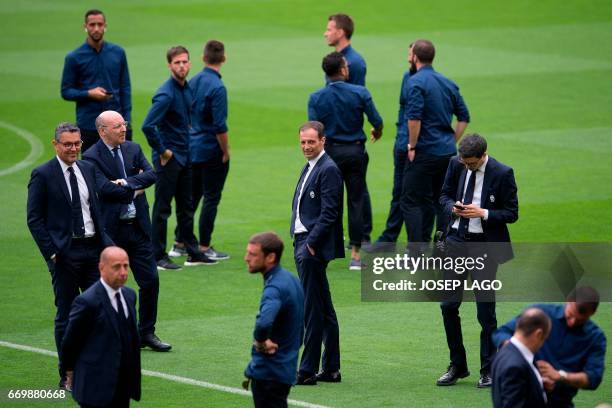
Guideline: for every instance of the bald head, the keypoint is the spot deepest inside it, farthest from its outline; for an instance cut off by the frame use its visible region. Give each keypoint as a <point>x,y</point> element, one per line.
<point>533,327</point>
<point>114,265</point>
<point>111,127</point>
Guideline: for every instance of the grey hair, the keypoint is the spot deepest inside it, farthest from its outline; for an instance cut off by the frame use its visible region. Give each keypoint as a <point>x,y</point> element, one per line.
<point>65,127</point>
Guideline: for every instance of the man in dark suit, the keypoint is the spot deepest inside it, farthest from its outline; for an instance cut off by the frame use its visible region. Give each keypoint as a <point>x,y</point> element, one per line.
<point>316,225</point>
<point>100,349</point>
<point>480,195</point>
<point>64,219</point>
<point>516,380</point>
<point>125,173</point>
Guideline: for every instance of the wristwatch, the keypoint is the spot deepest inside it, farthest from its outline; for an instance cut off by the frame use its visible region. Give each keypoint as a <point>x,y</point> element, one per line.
<point>563,375</point>
<point>410,148</point>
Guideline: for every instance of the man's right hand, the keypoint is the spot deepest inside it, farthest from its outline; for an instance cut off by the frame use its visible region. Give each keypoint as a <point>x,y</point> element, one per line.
<point>98,94</point>
<point>69,378</point>
<point>165,157</point>
<point>226,157</point>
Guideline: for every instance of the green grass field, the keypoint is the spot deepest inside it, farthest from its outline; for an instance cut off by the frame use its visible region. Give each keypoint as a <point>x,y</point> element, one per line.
<point>537,77</point>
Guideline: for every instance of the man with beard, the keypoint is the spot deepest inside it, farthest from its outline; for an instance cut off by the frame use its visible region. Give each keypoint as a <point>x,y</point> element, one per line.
<point>167,129</point>
<point>96,77</point>
<point>431,103</point>
<point>279,325</point>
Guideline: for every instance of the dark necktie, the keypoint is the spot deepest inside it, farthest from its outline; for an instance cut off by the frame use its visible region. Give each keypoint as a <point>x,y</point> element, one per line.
<point>120,310</point>
<point>78,227</point>
<point>121,171</point>
<point>467,199</point>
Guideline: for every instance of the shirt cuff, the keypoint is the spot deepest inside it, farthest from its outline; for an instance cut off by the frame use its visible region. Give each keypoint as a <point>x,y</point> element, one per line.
<point>486,215</point>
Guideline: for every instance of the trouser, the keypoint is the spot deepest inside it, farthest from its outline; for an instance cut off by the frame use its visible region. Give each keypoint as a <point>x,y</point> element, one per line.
<point>485,304</point>
<point>350,159</point>
<point>395,219</point>
<point>269,394</point>
<point>208,182</point>
<point>320,321</point>
<point>137,244</point>
<point>420,197</point>
<point>367,205</point>
<point>74,271</point>
<point>173,181</point>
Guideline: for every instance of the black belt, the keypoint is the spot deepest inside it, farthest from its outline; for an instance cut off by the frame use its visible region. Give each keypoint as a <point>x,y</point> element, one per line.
<point>472,236</point>
<point>343,143</point>
<point>84,240</point>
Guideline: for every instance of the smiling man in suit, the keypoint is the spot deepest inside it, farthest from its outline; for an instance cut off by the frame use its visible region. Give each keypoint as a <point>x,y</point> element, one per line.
<point>480,195</point>
<point>516,380</point>
<point>100,349</point>
<point>316,226</point>
<point>64,219</point>
<point>125,210</point>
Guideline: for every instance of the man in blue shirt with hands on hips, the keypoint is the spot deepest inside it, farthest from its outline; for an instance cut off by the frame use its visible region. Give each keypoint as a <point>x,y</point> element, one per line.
<point>340,106</point>
<point>96,77</point>
<point>279,327</point>
<point>167,129</point>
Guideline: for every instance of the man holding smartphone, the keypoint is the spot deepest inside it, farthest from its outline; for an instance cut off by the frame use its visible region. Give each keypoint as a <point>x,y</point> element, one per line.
<point>480,195</point>
<point>96,77</point>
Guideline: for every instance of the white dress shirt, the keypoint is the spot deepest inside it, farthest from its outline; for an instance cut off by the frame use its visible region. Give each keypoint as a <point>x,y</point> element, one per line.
<point>298,227</point>
<point>475,225</point>
<point>90,230</point>
<point>111,295</point>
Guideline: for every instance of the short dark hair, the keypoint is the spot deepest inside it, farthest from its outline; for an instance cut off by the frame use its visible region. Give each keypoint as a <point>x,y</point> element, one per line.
<point>472,145</point>
<point>174,51</point>
<point>214,52</point>
<point>313,124</point>
<point>332,64</point>
<point>94,12</point>
<point>531,320</point>
<point>65,127</point>
<point>424,51</point>
<point>344,22</point>
<point>586,298</point>
<point>270,243</point>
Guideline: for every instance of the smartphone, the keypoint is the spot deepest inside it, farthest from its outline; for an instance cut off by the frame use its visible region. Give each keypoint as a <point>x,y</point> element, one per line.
<point>459,207</point>
<point>109,94</point>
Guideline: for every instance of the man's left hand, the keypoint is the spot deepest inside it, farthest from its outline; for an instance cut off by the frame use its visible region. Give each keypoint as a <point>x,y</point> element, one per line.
<point>548,371</point>
<point>266,347</point>
<point>471,211</point>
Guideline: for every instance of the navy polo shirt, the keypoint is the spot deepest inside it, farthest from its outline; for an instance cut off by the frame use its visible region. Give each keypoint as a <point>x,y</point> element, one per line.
<point>401,138</point>
<point>570,349</point>
<point>84,69</point>
<point>209,115</point>
<point>434,99</point>
<point>168,121</point>
<point>340,107</point>
<point>356,64</point>
<point>280,319</point>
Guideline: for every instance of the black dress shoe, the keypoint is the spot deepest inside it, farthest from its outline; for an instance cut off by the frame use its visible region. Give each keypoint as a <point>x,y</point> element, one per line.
<point>329,376</point>
<point>306,379</point>
<point>451,376</point>
<point>485,381</point>
<point>152,341</point>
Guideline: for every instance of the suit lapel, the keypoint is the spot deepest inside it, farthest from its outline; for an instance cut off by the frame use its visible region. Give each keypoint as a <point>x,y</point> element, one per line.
<point>486,182</point>
<point>60,176</point>
<point>107,158</point>
<point>108,308</point>
<point>315,171</point>
<point>299,185</point>
<point>461,186</point>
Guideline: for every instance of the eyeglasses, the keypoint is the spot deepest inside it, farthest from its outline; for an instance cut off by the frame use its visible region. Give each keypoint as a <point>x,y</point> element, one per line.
<point>69,145</point>
<point>118,125</point>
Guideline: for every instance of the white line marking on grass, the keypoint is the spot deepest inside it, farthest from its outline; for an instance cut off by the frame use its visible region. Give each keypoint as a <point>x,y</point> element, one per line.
<point>169,377</point>
<point>36,148</point>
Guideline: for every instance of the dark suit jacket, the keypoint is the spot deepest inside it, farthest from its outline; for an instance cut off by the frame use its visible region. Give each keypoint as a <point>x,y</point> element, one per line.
<point>92,346</point>
<point>499,196</point>
<point>49,208</point>
<point>321,208</point>
<point>514,382</point>
<point>114,196</point>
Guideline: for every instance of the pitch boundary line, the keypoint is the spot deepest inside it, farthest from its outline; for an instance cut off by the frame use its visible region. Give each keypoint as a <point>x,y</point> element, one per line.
<point>164,376</point>
<point>36,148</point>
